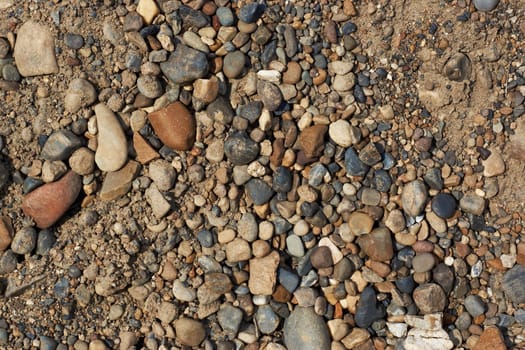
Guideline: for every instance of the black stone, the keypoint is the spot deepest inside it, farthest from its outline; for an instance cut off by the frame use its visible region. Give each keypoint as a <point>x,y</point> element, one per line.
<point>354,166</point>
<point>444,276</point>
<point>282,180</point>
<point>368,309</point>
<point>74,41</point>
<point>240,149</point>
<point>382,180</point>
<point>251,111</point>
<point>444,205</point>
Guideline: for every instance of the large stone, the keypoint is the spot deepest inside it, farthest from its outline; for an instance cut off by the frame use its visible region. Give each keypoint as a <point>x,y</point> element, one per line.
<point>49,202</point>
<point>185,65</point>
<point>368,309</point>
<point>118,183</point>
<point>490,339</point>
<point>305,330</point>
<point>35,50</point>
<point>112,149</point>
<point>263,274</point>
<point>175,125</point>
<point>514,284</point>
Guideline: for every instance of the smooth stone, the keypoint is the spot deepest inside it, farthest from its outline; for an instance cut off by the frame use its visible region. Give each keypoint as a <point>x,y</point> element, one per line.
<point>112,149</point>
<point>305,330</point>
<point>148,10</point>
<point>4,174</point>
<point>225,16</point>
<point>259,191</point>
<point>82,161</point>
<point>444,276</point>
<point>382,180</point>
<point>472,203</point>
<point>395,221</point>
<point>118,183</point>
<point>433,179</point>
<point>514,284</point>
<point>341,133</point>
<point>414,198</point>
<point>182,292</point>
<point>175,126</point>
<point>127,340</point>
<point>240,149</point>
<point>24,241</point>
<point>358,337</point>
<point>230,318</point>
<point>263,274</point>
<point>290,39</point>
<point>360,223</point>
<point>486,6</point>
<point>474,305</point>
<point>295,247</point>
<point>251,111</point>
<point>378,244</point>
<point>233,64</point>
<point>368,310</point>
<point>267,320</point>
<point>423,262</point>
<point>251,12</point>
<point>311,140</point>
<point>353,165</point>
<point>343,83</point>
<point>149,86</point>
<point>270,95</point>
<point>185,65</point>
<point>444,205</point>
<point>49,202</point>
<point>158,203</point>
<point>34,50</point>
<point>247,227</point>
<point>430,298</point>
<point>162,174</point>
<point>189,332</point>
<point>60,145</point>
<point>80,93</point>
<point>6,232</point>
<point>238,250</point>
<point>221,110</point>
<point>321,257</point>
<point>494,165</point>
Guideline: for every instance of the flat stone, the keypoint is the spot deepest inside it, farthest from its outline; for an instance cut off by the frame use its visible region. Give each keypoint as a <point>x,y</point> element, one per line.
<point>263,274</point>
<point>368,309</point>
<point>118,183</point>
<point>430,298</point>
<point>149,86</point>
<point>311,140</point>
<point>378,244</point>
<point>175,126</point>
<point>189,332</point>
<point>182,292</point>
<point>494,165</point>
<point>516,145</point>
<point>418,339</point>
<point>6,232</point>
<point>60,145</point>
<point>321,257</point>
<point>414,198</point>
<point>305,330</point>
<point>49,202</point>
<point>80,93</point>
<point>514,284</point>
<point>34,50</point>
<point>221,110</point>
<point>370,154</point>
<point>490,339</point>
<point>145,153</point>
<point>185,65</point>
<point>112,149</point>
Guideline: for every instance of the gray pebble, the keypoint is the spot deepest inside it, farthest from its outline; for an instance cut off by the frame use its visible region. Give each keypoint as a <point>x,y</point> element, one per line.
<point>240,149</point>
<point>60,145</point>
<point>474,305</point>
<point>267,320</point>
<point>149,86</point>
<point>230,319</point>
<point>305,330</point>
<point>74,41</point>
<point>24,241</point>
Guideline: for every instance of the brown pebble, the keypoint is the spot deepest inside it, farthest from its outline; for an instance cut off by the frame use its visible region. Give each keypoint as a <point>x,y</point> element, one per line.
<point>145,153</point>
<point>49,202</point>
<point>490,339</point>
<point>175,126</point>
<point>321,257</point>
<point>6,232</point>
<point>311,140</point>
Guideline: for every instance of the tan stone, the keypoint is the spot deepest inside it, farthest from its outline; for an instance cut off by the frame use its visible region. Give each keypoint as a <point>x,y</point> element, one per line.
<point>148,10</point>
<point>145,153</point>
<point>118,183</point>
<point>263,274</point>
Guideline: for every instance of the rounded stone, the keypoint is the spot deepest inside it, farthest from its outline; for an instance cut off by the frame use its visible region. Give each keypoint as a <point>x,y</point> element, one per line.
<point>475,305</point>
<point>485,5</point>
<point>430,298</point>
<point>414,198</point>
<point>305,330</point>
<point>80,93</point>
<point>444,205</point>
<point>149,86</point>
<point>321,257</point>
<point>112,149</point>
<point>423,262</point>
<point>240,149</point>
<point>189,332</point>
<point>24,241</point>
<point>82,161</point>
<point>175,126</point>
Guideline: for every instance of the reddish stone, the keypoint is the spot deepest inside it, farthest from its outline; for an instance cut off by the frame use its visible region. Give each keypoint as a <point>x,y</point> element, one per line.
<point>311,140</point>
<point>175,126</point>
<point>490,339</point>
<point>49,202</point>
<point>6,233</point>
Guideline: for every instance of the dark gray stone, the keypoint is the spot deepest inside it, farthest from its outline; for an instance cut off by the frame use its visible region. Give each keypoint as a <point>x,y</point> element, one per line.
<point>514,284</point>
<point>185,65</point>
<point>230,319</point>
<point>444,205</point>
<point>47,343</point>
<point>240,149</point>
<point>192,18</point>
<point>282,180</point>
<point>305,330</point>
<point>251,111</point>
<point>60,145</point>
<point>4,175</point>
<point>74,41</point>
<point>267,320</point>
<point>354,166</point>
<point>251,12</point>
<point>368,309</point>
<point>221,110</point>
<point>7,262</point>
<point>475,305</point>
<point>270,95</point>
<point>46,240</point>
<point>259,191</point>
<point>24,241</point>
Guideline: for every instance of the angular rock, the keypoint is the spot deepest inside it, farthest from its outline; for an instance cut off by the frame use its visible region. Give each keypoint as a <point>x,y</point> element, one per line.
<point>472,203</point>
<point>34,50</point>
<point>82,161</point>
<point>49,202</point>
<point>185,65</point>
<point>430,298</point>
<point>490,339</point>
<point>215,284</point>
<point>360,223</point>
<point>259,191</point>
<point>270,95</point>
<point>311,140</point>
<point>263,274</point>
<point>494,165</point>
<point>148,10</point>
<point>514,284</point>
<point>206,90</point>
<point>24,241</point>
<point>378,244</point>
<point>112,149</point>
<point>118,183</point>
<point>175,126</point>
<point>60,145</point>
<point>305,330</point>
<point>145,153</point>
<point>353,165</point>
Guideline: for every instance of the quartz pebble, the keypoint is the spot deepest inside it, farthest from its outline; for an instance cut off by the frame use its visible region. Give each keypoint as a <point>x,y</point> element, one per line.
<point>112,150</point>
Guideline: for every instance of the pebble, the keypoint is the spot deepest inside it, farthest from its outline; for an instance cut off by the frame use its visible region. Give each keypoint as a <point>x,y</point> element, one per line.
<point>240,149</point>
<point>395,221</point>
<point>189,332</point>
<point>73,41</point>
<point>472,203</point>
<point>341,133</point>
<point>377,245</point>
<point>414,198</point>
<point>225,16</point>
<point>233,64</point>
<point>215,285</point>
<point>514,284</point>
<point>221,110</point>
<point>47,343</point>
<point>112,149</point>
<point>48,203</point>
<point>238,250</point>
<point>356,338</point>
<point>34,50</point>
<point>270,95</point>
<point>267,320</point>
<point>444,205</point>
<point>486,6</point>
<point>490,339</point>
<point>343,83</point>
<point>82,161</point>
<point>263,274</point>
<point>247,227</point>
<point>159,205</point>
<point>162,174</point>
<point>474,305</point>
<point>127,340</point>
<point>24,241</point>
<point>149,86</point>
<point>305,330</point>
<point>430,298</point>
<point>60,145</point>
<point>493,165</point>
<point>360,223</point>
<point>148,10</point>
<point>230,319</point>
<point>368,309</point>
<point>353,165</point>
<point>118,183</point>
<point>182,292</point>
<point>4,174</point>
<point>251,12</point>
<point>423,262</point>
<point>295,245</point>
<point>185,65</point>
<point>6,232</point>
<point>321,257</point>
<point>206,90</point>
<point>311,140</point>
<point>8,262</point>
<point>175,126</point>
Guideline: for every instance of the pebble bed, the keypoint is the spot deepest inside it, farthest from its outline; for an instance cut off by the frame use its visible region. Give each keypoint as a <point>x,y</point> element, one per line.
<point>261,175</point>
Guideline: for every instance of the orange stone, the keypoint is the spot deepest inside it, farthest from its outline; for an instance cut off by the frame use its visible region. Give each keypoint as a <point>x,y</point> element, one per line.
<point>175,126</point>
<point>490,339</point>
<point>145,153</point>
<point>48,203</point>
<point>6,233</point>
<point>311,140</point>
